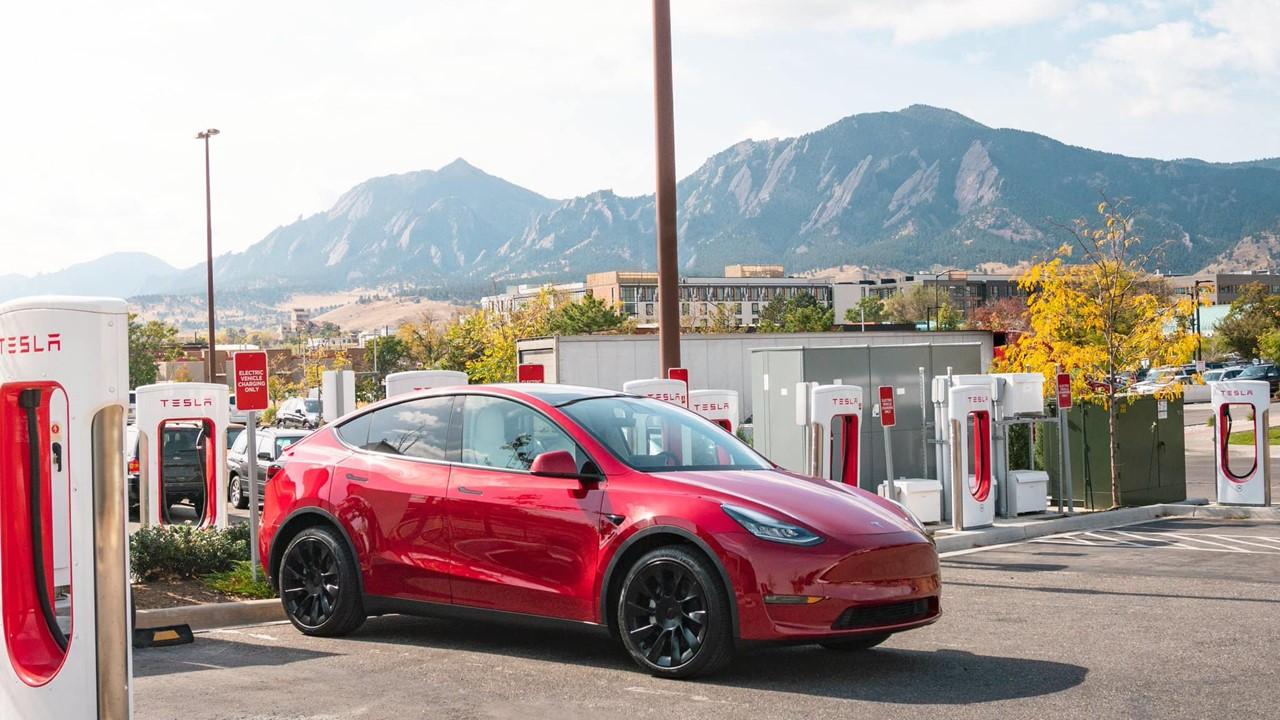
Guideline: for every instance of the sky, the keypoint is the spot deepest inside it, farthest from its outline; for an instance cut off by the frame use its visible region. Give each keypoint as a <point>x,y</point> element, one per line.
<point>100,102</point>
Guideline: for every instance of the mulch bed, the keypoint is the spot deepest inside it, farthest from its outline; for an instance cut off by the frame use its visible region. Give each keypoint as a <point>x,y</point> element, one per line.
<point>175,593</point>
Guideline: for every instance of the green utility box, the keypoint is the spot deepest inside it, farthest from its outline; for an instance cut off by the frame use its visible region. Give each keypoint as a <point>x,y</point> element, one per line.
<point>1150,453</point>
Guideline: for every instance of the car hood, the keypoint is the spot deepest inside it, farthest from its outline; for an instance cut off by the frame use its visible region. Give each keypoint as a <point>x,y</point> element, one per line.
<point>823,506</point>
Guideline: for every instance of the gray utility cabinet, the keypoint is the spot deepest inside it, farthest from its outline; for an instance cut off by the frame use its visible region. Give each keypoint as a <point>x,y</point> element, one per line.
<point>776,371</point>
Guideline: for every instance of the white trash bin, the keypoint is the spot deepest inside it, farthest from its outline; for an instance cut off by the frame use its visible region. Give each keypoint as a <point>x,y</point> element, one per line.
<point>1030,490</point>
<point>922,497</point>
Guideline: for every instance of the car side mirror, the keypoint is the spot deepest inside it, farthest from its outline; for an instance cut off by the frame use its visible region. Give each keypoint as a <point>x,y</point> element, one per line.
<point>265,456</point>
<point>559,464</point>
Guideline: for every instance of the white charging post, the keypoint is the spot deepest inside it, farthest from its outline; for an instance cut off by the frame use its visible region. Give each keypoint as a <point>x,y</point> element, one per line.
<point>830,405</point>
<point>721,407</point>
<point>1242,480</point>
<point>250,370</point>
<point>409,381</point>
<point>670,391</point>
<point>64,373</point>
<point>206,404</point>
<point>337,394</point>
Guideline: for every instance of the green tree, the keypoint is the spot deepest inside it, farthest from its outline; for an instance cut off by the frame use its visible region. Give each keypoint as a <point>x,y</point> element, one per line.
<point>588,315</point>
<point>921,303</point>
<point>802,313</point>
<point>1254,313</point>
<point>869,309</point>
<point>1269,346</point>
<point>149,342</point>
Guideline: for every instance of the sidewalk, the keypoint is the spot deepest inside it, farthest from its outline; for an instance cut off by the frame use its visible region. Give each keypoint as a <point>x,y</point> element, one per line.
<point>1009,530</point>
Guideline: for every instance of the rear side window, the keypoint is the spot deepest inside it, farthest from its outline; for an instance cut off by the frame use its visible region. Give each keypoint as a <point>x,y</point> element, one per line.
<point>355,432</point>
<point>242,440</point>
<point>417,429</point>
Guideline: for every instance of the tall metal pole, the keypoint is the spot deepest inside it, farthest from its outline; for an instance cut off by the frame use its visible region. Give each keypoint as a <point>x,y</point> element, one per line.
<point>665,135</point>
<point>208,216</point>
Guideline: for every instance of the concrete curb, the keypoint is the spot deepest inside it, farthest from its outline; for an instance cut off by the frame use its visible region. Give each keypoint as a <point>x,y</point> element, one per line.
<point>949,541</point>
<point>213,615</point>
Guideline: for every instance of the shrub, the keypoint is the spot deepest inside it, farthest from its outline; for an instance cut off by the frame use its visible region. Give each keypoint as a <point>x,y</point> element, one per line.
<point>267,417</point>
<point>238,583</point>
<point>182,552</point>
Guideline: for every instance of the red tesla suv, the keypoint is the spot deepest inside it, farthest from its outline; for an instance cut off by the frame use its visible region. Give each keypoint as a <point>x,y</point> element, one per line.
<point>587,506</point>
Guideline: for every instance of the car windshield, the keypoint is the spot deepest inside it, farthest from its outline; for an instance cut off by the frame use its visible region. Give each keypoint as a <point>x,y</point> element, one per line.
<point>659,437</point>
<point>284,441</point>
<point>313,406</point>
<point>1254,371</point>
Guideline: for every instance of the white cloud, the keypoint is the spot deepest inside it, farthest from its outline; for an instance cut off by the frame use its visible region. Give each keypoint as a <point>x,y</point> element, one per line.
<point>909,21</point>
<point>1183,67</point>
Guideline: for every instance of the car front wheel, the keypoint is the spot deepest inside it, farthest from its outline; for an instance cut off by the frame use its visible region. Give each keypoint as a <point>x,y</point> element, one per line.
<point>236,494</point>
<point>673,614</point>
<point>320,584</point>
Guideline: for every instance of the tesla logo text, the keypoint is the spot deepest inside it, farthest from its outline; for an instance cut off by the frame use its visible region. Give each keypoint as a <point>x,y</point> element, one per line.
<point>977,398</point>
<point>1237,393</point>
<point>711,406</point>
<point>22,344</point>
<point>845,402</point>
<point>186,402</point>
<point>667,397</point>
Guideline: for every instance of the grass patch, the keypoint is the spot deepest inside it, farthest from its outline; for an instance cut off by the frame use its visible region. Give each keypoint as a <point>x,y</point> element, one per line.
<point>238,583</point>
<point>1245,437</point>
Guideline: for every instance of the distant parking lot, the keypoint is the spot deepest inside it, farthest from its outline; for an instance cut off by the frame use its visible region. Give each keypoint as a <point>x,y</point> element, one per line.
<point>1172,619</point>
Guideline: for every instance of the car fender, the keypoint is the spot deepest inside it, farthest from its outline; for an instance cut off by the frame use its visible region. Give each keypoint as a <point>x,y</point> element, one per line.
<point>326,514</point>
<point>648,527</point>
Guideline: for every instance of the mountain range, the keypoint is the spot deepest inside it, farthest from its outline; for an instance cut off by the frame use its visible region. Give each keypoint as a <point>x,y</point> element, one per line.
<point>911,189</point>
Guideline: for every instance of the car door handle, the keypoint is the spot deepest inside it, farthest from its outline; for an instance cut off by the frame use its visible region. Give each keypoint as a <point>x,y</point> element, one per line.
<point>357,478</point>
<point>468,491</point>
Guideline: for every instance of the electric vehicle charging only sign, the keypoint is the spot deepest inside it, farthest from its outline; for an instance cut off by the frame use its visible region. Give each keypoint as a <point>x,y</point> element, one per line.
<point>250,369</point>
<point>888,418</point>
<point>1064,391</point>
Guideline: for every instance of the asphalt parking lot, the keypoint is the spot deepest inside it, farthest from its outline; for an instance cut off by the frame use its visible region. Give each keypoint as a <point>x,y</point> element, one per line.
<point>1172,619</point>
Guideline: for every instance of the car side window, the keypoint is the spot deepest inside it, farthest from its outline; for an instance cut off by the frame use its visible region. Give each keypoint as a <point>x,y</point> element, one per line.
<point>504,434</point>
<point>355,432</point>
<point>417,429</point>
<point>238,446</point>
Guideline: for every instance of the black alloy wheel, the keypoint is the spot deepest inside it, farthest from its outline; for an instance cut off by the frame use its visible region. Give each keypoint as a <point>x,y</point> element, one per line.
<point>673,614</point>
<point>319,585</point>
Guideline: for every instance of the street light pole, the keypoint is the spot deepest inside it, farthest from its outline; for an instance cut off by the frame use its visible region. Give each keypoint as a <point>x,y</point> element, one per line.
<point>1196,293</point>
<point>665,198</point>
<point>208,217</point>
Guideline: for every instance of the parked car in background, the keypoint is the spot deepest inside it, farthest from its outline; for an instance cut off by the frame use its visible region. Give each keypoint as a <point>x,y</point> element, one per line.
<point>182,464</point>
<point>271,442</point>
<point>299,413</point>
<point>1162,378</point>
<point>236,415</point>
<point>1226,373</point>
<point>1265,371</point>
<point>133,470</point>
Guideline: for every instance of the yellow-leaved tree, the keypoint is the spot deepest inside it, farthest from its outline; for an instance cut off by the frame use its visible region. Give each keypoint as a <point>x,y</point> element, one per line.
<point>1100,317</point>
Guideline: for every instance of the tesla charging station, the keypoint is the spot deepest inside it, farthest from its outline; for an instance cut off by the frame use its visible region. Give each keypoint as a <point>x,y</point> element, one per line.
<point>64,588</point>
<point>969,480</point>
<point>413,380</point>
<point>719,406</point>
<point>835,428</point>
<point>163,411</point>
<point>1244,476</point>
<point>675,392</point>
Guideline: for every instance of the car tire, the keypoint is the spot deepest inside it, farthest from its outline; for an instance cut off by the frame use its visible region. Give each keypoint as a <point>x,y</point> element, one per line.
<point>855,644</point>
<point>319,584</point>
<point>236,494</point>
<point>673,614</point>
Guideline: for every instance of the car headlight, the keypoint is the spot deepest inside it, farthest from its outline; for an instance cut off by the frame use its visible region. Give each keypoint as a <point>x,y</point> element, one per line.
<point>769,528</point>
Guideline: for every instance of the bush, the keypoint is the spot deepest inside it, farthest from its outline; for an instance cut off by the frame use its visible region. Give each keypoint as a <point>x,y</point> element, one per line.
<point>268,416</point>
<point>238,583</point>
<point>182,552</point>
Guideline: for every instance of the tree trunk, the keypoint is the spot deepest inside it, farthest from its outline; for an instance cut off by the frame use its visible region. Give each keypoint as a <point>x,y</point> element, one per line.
<point>1111,432</point>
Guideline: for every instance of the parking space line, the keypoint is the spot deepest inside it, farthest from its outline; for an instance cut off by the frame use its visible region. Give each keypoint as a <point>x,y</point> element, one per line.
<point>1243,541</point>
<point>1164,540</point>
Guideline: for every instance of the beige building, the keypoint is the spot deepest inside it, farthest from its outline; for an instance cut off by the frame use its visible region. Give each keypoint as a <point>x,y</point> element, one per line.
<point>744,291</point>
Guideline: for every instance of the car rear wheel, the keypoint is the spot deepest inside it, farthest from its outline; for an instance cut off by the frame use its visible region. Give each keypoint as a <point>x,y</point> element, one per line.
<point>855,644</point>
<point>320,584</point>
<point>236,494</point>
<point>673,614</point>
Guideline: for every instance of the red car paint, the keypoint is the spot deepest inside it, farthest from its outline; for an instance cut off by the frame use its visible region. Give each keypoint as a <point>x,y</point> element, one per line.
<point>446,532</point>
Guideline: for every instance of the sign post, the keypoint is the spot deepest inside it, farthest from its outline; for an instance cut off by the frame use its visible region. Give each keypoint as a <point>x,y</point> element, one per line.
<point>1064,436</point>
<point>250,370</point>
<point>888,418</point>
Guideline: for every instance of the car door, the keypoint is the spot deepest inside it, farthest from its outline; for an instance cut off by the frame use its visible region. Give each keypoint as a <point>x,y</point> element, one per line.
<point>521,543</point>
<point>392,492</point>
